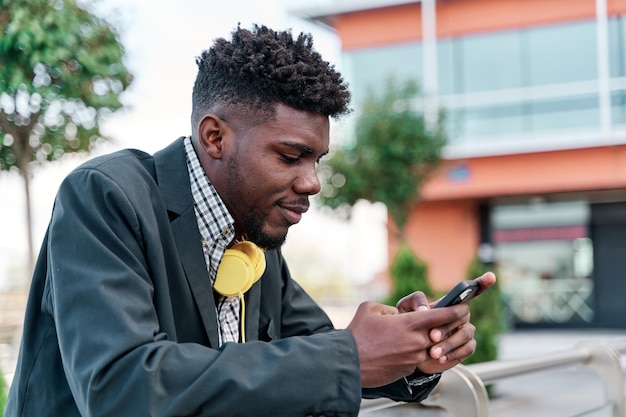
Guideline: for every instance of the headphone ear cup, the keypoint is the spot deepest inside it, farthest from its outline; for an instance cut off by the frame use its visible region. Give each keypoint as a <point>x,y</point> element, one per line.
<point>235,273</point>
<point>256,255</point>
<point>241,267</point>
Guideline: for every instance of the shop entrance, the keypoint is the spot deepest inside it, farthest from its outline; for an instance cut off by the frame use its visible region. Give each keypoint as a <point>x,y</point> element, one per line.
<point>608,232</point>
<point>544,257</point>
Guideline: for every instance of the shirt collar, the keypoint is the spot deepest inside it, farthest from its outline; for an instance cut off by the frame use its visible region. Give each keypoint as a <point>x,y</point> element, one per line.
<point>215,222</point>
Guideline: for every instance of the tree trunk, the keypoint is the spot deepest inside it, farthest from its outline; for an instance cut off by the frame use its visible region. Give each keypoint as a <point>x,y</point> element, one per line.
<point>23,155</point>
<point>29,223</point>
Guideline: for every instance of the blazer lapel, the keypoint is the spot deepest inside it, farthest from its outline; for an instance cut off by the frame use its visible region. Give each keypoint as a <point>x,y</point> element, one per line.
<point>173,180</point>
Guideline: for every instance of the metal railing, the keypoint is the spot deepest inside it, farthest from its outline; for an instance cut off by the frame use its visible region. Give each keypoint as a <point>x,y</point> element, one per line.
<point>462,392</point>
<point>554,301</point>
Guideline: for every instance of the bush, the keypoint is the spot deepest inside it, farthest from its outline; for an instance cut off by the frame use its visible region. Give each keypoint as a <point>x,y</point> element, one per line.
<point>3,393</point>
<point>487,316</point>
<point>408,274</point>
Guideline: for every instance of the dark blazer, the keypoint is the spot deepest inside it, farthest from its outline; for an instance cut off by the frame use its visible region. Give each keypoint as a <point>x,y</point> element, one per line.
<point>121,317</point>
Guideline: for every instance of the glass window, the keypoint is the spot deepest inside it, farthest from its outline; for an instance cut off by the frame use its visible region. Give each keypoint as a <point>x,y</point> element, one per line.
<point>618,107</point>
<point>563,53</point>
<point>545,261</point>
<point>489,62</point>
<point>492,120</point>
<point>564,113</point>
<point>492,62</point>
<point>542,282</point>
<point>368,69</point>
<point>447,70</point>
<point>454,121</point>
<point>538,212</point>
<point>617,67</point>
<point>520,58</point>
<point>616,47</point>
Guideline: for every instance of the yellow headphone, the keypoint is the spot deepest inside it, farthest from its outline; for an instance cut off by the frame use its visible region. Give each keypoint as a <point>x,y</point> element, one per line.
<point>241,266</point>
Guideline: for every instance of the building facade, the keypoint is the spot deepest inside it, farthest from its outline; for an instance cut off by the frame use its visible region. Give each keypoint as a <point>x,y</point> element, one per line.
<point>534,172</point>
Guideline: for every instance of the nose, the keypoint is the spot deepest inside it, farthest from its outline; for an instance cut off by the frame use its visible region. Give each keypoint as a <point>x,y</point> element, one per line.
<point>308,182</point>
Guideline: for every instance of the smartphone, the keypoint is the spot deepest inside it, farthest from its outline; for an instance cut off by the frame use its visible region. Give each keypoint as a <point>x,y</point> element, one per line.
<point>461,293</point>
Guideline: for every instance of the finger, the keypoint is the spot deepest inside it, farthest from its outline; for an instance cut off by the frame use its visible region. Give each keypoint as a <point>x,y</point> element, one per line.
<point>444,331</point>
<point>486,280</point>
<point>416,301</point>
<point>381,309</point>
<point>459,345</point>
<point>444,318</point>
<point>459,354</point>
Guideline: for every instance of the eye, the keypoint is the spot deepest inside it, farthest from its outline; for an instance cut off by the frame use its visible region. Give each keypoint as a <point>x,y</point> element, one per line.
<point>290,158</point>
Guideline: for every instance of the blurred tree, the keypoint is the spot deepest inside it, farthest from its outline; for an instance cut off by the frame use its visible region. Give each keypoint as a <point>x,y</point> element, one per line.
<point>3,393</point>
<point>486,310</point>
<point>61,74</point>
<point>391,157</point>
<point>409,274</point>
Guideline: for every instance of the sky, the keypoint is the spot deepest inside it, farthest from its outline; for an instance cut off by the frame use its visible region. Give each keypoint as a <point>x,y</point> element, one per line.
<point>162,39</point>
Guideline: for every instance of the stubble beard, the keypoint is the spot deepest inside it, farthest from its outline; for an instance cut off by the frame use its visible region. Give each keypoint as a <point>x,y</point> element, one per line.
<point>254,230</point>
<point>254,218</point>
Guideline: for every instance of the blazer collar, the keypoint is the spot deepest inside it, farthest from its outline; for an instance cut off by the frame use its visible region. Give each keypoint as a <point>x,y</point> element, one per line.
<point>173,180</point>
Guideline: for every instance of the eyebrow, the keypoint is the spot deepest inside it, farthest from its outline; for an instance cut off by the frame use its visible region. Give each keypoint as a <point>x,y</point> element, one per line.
<point>303,148</point>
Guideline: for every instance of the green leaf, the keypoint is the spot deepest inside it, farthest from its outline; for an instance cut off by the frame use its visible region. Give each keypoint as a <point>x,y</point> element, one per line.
<point>390,157</point>
<point>54,51</point>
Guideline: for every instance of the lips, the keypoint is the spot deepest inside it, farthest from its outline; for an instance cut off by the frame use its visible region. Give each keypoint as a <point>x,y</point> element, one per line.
<point>293,212</point>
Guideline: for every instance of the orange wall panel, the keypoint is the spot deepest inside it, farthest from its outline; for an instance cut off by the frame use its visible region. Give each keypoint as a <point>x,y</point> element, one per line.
<point>467,16</point>
<point>445,236</point>
<point>379,27</point>
<point>616,6</point>
<point>524,174</point>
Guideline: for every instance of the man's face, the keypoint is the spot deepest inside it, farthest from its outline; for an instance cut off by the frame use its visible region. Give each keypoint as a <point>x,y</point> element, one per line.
<point>271,172</point>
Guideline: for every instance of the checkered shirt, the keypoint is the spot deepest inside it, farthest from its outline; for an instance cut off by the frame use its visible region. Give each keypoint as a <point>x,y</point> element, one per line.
<point>217,230</point>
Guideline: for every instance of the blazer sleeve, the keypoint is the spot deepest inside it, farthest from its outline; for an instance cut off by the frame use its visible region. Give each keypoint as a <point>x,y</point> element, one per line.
<point>117,357</point>
<point>401,390</point>
<point>302,316</point>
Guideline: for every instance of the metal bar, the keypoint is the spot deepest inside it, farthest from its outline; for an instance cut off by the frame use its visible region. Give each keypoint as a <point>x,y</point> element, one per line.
<point>462,392</point>
<point>429,63</point>
<point>602,35</point>
<point>524,94</point>
<point>604,360</point>
<point>494,370</point>
<point>369,406</point>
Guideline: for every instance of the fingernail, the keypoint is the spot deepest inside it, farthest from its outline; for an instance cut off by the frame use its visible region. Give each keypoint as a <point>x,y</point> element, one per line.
<point>436,335</point>
<point>443,359</point>
<point>422,308</point>
<point>437,352</point>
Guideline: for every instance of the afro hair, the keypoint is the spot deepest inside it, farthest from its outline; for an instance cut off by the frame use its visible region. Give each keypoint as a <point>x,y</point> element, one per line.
<point>261,68</point>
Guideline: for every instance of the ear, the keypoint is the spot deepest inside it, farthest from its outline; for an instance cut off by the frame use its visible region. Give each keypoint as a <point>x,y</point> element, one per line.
<point>210,131</point>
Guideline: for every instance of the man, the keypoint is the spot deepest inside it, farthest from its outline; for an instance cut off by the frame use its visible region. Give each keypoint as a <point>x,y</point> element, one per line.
<point>128,313</point>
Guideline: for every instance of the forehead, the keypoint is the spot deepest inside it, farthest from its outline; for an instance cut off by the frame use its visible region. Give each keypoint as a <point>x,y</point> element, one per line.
<point>295,126</point>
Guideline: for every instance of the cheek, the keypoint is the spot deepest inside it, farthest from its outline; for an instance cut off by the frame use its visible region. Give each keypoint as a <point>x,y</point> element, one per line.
<point>270,181</point>
<point>257,191</point>
<point>263,181</point>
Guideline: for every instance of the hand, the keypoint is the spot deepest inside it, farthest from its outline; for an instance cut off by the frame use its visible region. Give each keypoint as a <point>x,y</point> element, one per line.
<point>391,345</point>
<point>454,342</point>
<point>417,301</point>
